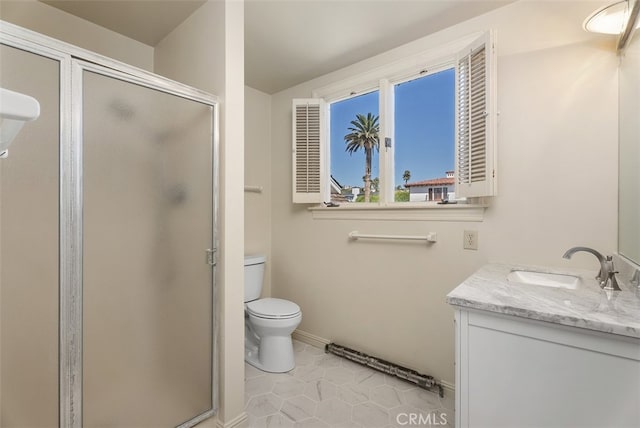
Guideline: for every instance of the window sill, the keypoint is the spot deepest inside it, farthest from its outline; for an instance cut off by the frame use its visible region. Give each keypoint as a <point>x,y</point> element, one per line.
<point>453,212</point>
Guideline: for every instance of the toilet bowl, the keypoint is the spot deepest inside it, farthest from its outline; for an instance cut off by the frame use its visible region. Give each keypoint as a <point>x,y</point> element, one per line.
<point>269,323</point>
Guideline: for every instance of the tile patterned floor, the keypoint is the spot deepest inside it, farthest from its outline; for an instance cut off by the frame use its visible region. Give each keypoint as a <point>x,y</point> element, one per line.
<point>327,391</point>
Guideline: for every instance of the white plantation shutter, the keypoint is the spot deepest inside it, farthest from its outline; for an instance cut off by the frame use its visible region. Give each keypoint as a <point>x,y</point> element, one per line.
<point>309,150</point>
<point>476,119</point>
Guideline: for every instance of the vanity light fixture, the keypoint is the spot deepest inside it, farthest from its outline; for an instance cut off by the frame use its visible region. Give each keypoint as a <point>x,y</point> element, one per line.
<point>633,23</point>
<point>609,19</point>
<point>622,17</point>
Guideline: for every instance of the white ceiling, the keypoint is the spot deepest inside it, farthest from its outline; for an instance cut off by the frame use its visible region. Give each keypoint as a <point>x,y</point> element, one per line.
<point>291,41</point>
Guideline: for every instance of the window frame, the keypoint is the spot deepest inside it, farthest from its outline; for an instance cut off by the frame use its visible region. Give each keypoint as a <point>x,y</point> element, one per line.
<point>389,184</point>
<point>383,79</point>
<point>386,110</point>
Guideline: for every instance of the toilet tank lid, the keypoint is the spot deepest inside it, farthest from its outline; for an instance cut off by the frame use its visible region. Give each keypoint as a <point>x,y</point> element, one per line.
<point>254,260</point>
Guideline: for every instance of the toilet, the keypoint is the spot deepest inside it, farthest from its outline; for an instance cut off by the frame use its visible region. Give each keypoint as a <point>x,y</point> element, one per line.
<point>268,323</point>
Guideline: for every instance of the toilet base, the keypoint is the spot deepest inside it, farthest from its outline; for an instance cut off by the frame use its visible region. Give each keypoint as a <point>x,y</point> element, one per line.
<point>272,354</point>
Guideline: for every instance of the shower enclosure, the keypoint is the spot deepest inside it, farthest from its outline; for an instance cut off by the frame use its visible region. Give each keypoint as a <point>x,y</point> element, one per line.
<point>107,241</point>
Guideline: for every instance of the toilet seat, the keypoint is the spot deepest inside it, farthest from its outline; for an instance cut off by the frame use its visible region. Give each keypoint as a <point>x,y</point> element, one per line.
<point>271,308</point>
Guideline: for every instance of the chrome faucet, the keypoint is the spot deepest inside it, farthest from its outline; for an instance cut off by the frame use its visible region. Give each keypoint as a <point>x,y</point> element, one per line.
<point>606,276</point>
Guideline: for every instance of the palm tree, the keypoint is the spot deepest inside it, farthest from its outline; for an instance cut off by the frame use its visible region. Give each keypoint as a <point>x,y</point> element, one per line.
<point>364,135</point>
<point>406,176</point>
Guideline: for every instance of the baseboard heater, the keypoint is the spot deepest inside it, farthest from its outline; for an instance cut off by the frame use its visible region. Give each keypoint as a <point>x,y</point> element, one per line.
<point>423,381</point>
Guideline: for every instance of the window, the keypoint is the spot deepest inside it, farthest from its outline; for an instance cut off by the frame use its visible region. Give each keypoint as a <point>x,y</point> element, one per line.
<point>424,134</point>
<point>402,133</point>
<point>354,158</point>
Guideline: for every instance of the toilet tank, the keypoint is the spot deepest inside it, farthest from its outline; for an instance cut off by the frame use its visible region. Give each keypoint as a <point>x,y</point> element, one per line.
<point>253,277</point>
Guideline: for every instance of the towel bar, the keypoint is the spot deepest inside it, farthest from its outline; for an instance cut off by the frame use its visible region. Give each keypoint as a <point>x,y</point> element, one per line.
<point>430,237</point>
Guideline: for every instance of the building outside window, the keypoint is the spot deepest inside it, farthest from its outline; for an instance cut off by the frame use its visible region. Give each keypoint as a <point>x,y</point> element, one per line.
<point>436,189</point>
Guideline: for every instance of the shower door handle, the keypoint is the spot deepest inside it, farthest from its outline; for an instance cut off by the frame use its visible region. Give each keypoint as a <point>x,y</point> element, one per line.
<point>211,256</point>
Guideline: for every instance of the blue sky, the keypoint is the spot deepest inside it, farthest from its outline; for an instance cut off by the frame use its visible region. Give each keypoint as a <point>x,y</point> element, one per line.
<point>424,131</point>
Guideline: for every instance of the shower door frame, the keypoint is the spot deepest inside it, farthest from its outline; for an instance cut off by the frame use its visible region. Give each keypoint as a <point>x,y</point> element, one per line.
<point>73,61</point>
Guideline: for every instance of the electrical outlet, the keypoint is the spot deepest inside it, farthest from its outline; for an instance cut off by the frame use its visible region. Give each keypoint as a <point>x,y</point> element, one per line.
<point>470,240</point>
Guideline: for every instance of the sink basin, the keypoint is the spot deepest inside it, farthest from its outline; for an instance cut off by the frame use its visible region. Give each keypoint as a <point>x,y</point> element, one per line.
<point>557,280</point>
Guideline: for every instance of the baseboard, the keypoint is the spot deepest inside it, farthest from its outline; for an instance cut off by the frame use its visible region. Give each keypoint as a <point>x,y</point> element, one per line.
<point>310,339</point>
<point>449,388</point>
<point>240,421</point>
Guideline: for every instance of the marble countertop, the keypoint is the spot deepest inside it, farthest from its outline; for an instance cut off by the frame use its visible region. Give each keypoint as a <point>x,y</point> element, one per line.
<point>588,306</point>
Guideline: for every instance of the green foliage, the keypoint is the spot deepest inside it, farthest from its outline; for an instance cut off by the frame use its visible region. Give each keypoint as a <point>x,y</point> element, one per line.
<point>374,198</point>
<point>364,134</point>
<point>401,196</point>
<point>406,176</point>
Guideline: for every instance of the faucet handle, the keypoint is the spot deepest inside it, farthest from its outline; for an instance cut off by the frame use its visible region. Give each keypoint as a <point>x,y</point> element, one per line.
<point>604,277</point>
<point>611,283</point>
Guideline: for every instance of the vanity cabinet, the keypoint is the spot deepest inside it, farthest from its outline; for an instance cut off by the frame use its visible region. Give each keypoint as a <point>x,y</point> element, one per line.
<point>518,372</point>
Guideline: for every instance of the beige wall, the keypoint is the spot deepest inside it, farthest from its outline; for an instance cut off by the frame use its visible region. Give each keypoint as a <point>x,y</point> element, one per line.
<point>194,52</point>
<point>557,142</point>
<point>257,172</point>
<point>63,26</point>
<point>207,51</point>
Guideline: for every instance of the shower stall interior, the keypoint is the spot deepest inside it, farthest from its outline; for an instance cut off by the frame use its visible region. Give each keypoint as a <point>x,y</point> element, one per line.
<point>107,224</point>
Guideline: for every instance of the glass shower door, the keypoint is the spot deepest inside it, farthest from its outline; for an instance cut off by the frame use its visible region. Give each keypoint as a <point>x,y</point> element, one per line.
<point>29,241</point>
<point>147,223</point>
